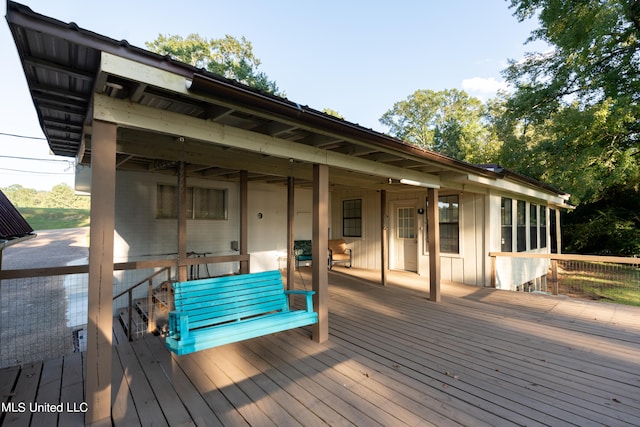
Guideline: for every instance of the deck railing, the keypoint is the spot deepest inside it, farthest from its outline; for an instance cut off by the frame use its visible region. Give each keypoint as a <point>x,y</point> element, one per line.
<point>607,278</point>
<point>149,281</point>
<point>43,311</point>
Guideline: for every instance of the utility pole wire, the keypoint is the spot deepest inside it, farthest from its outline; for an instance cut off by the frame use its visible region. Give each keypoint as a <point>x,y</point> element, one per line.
<point>23,136</point>
<point>37,159</point>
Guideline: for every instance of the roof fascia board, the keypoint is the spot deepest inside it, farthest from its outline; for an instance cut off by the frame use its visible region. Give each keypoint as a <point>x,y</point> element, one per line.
<point>470,181</point>
<point>513,188</point>
<point>127,114</point>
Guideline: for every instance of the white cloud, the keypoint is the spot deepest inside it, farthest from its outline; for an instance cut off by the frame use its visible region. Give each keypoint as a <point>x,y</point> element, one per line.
<point>483,87</point>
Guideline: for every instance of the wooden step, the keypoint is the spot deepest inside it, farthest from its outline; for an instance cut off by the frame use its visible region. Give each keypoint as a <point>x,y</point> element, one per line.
<point>142,307</point>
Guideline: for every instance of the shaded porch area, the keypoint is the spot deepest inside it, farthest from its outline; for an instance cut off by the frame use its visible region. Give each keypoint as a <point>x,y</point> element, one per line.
<point>482,357</point>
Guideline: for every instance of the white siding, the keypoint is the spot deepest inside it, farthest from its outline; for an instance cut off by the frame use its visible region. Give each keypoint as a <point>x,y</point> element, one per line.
<point>268,235</point>
<point>140,235</point>
<point>366,249</point>
<point>470,266</point>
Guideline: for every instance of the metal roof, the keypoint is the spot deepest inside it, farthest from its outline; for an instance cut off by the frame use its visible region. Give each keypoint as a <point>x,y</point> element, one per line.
<point>12,223</point>
<point>61,62</point>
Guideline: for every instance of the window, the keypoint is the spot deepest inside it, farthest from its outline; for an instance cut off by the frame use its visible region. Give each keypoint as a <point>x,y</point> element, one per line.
<point>543,226</point>
<point>533,225</point>
<point>208,203</point>
<point>406,223</point>
<point>506,220</point>
<point>449,222</point>
<point>352,218</point>
<point>521,223</point>
<point>167,201</point>
<point>202,203</point>
<point>449,211</point>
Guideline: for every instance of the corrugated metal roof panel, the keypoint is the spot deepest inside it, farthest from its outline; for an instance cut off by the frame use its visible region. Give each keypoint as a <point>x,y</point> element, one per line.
<point>12,224</point>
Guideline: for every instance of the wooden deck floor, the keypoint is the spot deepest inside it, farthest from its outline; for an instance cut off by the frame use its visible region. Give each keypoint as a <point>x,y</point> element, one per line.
<point>480,357</point>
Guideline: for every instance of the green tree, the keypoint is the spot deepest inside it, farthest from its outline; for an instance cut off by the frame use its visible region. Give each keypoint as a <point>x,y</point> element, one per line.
<point>566,150</point>
<point>575,110</point>
<point>21,196</point>
<point>60,196</point>
<point>610,226</point>
<point>228,56</point>
<point>449,122</point>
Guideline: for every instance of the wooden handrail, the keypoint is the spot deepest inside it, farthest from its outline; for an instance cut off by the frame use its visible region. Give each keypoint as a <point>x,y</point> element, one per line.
<point>145,280</point>
<point>133,265</point>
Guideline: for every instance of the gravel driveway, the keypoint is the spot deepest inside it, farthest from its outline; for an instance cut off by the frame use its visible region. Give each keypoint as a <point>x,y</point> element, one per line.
<point>51,248</point>
<point>41,317</point>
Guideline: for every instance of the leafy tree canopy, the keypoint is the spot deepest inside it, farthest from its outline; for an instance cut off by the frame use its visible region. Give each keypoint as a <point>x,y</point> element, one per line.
<point>449,122</point>
<point>574,114</point>
<point>60,196</point>
<point>228,56</point>
<point>610,226</point>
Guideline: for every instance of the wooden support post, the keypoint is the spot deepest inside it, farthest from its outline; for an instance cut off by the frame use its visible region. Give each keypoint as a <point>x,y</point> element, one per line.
<point>384,251</point>
<point>558,232</point>
<point>434,245</point>
<point>291,262</point>
<point>244,219</point>
<point>100,295</point>
<point>320,250</point>
<point>182,222</point>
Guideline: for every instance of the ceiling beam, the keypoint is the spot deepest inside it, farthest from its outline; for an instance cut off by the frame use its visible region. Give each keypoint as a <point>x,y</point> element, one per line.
<point>164,147</point>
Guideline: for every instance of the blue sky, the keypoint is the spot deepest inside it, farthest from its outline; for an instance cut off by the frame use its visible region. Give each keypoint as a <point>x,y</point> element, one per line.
<point>355,57</point>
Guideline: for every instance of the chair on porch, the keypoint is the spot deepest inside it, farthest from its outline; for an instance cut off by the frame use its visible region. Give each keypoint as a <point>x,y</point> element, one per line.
<point>302,251</point>
<point>339,253</point>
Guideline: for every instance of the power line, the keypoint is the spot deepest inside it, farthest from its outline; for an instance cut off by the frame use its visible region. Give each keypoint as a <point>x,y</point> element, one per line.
<point>35,158</point>
<point>37,172</point>
<point>23,136</point>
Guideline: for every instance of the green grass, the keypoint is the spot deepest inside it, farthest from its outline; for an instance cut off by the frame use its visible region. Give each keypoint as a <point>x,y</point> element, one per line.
<point>55,218</point>
<point>620,285</point>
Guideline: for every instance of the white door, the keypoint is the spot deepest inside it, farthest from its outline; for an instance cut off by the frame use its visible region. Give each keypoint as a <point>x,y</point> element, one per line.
<point>405,241</point>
